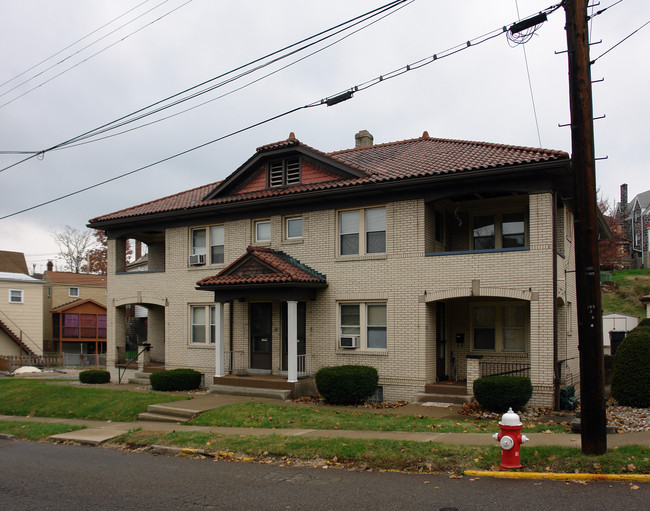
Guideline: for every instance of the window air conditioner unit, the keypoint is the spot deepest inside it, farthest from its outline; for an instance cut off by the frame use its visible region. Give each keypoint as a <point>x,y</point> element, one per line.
<point>196,259</point>
<point>349,341</point>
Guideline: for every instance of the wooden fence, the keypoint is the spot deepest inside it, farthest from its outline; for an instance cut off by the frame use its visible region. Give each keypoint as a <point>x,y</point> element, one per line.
<point>14,362</point>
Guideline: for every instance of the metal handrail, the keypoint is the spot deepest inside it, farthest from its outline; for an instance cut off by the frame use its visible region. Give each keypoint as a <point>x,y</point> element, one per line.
<point>121,370</point>
<point>22,335</point>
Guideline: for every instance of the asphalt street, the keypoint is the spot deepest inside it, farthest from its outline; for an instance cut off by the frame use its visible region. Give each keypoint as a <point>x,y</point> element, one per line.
<point>44,476</point>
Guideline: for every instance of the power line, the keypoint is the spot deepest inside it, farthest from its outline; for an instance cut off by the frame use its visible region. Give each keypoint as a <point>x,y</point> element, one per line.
<point>621,41</point>
<point>91,56</point>
<point>131,117</point>
<point>71,45</point>
<point>330,100</point>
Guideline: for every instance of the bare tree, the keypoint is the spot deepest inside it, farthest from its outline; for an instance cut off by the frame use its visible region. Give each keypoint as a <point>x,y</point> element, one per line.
<point>74,245</point>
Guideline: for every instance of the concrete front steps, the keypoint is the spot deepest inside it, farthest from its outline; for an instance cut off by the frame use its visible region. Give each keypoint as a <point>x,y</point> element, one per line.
<point>450,392</point>
<point>230,390</point>
<point>167,412</point>
<point>140,378</point>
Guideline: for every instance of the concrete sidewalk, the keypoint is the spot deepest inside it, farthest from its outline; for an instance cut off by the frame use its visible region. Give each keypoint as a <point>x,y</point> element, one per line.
<point>98,432</point>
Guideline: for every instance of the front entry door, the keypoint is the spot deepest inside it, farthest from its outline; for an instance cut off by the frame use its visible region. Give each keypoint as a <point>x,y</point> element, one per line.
<point>301,332</point>
<point>261,329</point>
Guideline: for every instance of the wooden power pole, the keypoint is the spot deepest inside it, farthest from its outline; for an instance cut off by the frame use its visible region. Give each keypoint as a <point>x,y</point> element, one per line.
<point>590,340</point>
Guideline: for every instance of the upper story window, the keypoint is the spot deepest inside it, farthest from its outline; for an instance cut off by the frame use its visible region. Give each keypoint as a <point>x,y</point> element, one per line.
<point>204,237</point>
<point>371,222</point>
<point>262,231</point>
<point>503,230</point>
<point>73,291</point>
<point>293,228</point>
<point>16,296</point>
<point>284,172</point>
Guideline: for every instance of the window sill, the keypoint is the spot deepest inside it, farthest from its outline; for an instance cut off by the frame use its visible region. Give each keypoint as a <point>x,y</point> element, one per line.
<point>366,257</point>
<point>200,346</point>
<point>490,251</point>
<point>198,267</point>
<point>293,241</point>
<point>372,353</point>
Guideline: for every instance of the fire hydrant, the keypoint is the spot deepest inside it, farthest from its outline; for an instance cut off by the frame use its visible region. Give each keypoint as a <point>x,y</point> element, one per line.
<point>510,438</point>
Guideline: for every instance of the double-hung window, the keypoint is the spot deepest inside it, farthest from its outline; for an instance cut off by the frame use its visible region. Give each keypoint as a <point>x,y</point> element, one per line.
<point>202,324</point>
<point>365,321</point>
<point>16,296</point>
<point>212,237</point>
<point>499,327</point>
<point>371,222</point>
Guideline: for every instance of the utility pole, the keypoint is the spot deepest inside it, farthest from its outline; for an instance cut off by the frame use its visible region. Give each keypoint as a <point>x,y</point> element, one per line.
<point>590,341</point>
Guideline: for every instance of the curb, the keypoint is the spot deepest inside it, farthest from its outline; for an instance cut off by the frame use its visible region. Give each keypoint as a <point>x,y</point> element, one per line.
<point>643,478</point>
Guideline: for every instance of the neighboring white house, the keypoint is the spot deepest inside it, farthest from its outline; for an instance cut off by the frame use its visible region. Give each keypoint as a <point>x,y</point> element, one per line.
<point>615,328</point>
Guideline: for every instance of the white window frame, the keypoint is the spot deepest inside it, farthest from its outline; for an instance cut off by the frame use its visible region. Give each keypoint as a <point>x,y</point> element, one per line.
<point>211,242</point>
<point>208,325</point>
<point>21,296</point>
<point>208,236</point>
<point>71,291</point>
<point>361,231</point>
<point>363,326</point>
<point>499,326</point>
<point>289,219</point>
<point>256,225</point>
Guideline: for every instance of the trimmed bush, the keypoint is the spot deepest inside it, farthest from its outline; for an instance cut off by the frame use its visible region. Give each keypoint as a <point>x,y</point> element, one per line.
<point>631,369</point>
<point>498,393</point>
<point>95,376</point>
<point>346,385</point>
<point>176,379</point>
<point>645,322</point>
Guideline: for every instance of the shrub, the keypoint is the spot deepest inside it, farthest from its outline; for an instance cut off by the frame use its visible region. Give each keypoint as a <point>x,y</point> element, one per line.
<point>346,385</point>
<point>176,379</point>
<point>95,376</point>
<point>498,393</point>
<point>631,369</point>
<point>645,322</point>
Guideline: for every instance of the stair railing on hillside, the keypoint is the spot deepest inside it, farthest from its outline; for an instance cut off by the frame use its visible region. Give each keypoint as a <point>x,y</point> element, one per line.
<point>22,336</point>
<point>121,370</point>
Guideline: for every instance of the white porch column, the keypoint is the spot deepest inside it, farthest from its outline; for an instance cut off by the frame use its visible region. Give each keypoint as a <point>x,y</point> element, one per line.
<point>219,340</point>
<point>292,340</point>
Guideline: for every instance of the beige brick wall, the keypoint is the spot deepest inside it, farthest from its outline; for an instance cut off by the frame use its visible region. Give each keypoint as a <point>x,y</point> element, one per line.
<point>401,278</point>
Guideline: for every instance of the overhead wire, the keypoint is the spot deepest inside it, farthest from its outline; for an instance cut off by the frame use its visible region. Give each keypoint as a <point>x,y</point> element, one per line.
<point>72,44</point>
<point>91,56</point>
<point>143,112</point>
<point>324,101</point>
<point>620,42</point>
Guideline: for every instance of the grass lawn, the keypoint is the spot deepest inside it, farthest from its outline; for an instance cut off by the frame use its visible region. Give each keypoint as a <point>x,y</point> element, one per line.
<point>257,415</point>
<point>35,430</point>
<point>630,286</point>
<point>35,397</point>
<point>393,454</point>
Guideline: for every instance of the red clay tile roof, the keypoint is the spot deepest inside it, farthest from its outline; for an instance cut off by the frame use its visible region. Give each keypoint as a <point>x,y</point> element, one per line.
<point>394,161</point>
<point>75,279</point>
<point>263,265</point>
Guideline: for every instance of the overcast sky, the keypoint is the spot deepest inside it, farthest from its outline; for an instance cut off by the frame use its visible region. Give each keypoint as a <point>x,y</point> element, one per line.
<point>481,93</point>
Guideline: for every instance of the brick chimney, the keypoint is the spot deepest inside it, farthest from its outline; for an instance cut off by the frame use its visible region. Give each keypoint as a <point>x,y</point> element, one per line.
<point>363,139</point>
<point>50,266</point>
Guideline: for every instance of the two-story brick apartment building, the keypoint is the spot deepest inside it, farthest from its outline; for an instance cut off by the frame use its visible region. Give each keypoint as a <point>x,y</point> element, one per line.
<point>429,259</point>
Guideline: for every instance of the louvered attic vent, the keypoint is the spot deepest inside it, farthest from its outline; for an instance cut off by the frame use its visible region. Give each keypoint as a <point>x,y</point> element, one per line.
<point>284,173</point>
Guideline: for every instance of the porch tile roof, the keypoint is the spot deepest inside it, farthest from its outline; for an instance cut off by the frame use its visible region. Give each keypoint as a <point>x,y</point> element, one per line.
<point>263,265</point>
<point>394,161</point>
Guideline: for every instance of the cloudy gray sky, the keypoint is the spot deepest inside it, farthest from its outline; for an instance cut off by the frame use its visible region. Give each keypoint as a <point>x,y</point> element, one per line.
<point>481,93</point>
